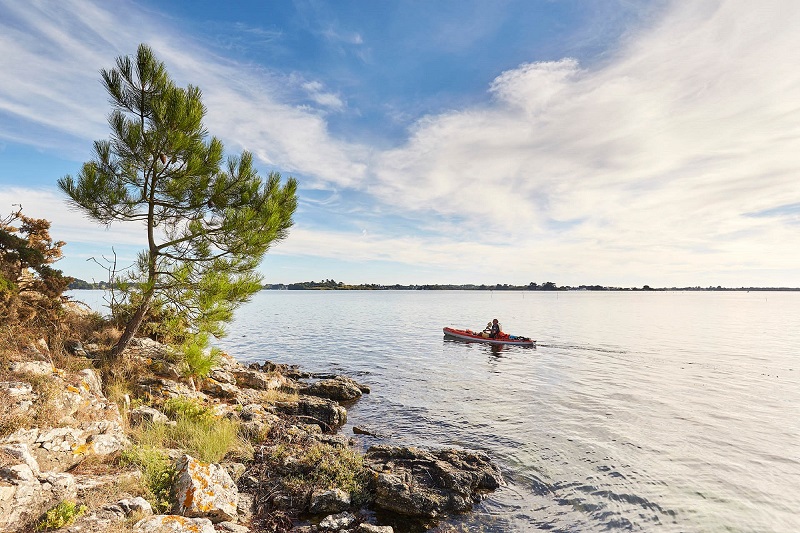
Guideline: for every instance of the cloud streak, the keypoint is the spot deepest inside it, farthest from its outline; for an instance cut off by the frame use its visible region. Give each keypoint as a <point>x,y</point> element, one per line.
<point>657,153</point>
<point>670,161</point>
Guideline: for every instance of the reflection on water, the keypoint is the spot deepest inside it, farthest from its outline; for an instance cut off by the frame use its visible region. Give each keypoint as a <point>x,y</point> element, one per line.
<point>664,412</point>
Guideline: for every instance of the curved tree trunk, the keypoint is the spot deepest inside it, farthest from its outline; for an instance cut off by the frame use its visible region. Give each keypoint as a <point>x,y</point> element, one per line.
<point>132,326</point>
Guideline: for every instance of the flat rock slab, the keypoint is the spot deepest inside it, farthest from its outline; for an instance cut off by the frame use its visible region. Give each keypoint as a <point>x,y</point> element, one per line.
<point>430,483</point>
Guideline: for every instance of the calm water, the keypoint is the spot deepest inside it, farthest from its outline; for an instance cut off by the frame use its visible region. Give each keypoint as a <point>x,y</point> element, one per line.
<point>664,412</point>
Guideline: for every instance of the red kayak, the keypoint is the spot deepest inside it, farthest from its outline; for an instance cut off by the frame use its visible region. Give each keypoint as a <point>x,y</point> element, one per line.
<point>503,338</point>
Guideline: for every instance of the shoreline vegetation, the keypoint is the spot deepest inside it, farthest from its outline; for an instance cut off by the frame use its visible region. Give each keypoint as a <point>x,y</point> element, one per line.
<point>137,444</point>
<point>333,285</point>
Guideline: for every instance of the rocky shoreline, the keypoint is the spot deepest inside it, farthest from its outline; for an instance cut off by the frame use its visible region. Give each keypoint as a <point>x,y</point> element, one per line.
<point>65,443</point>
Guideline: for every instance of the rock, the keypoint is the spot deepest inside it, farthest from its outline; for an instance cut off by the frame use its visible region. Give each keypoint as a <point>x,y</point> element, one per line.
<point>256,379</point>
<point>222,376</point>
<point>335,522</point>
<point>358,430</point>
<point>329,501</point>
<point>144,413</point>
<point>59,486</point>
<point>173,524</point>
<point>36,368</point>
<point>232,528</point>
<point>20,496</point>
<point>58,449</point>
<point>21,452</point>
<point>205,490</point>
<point>219,389</point>
<point>24,496</point>
<point>340,388</point>
<point>128,506</point>
<point>417,482</point>
<point>163,389</point>
<point>369,528</point>
<point>327,413</point>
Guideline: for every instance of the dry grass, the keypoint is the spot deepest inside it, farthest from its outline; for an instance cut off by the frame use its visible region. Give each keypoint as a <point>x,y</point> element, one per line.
<point>273,396</point>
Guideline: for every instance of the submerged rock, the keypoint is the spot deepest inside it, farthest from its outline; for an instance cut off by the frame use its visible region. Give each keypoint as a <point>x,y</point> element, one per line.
<point>417,482</point>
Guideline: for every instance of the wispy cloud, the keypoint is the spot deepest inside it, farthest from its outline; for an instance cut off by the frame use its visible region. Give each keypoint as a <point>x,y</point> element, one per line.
<point>658,152</point>
<point>670,160</point>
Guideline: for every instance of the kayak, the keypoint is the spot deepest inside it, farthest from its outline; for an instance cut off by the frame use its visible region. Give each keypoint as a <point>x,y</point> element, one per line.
<point>504,338</point>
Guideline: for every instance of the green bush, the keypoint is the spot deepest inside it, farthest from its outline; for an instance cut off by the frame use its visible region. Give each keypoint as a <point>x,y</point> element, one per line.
<point>61,515</point>
<point>158,474</point>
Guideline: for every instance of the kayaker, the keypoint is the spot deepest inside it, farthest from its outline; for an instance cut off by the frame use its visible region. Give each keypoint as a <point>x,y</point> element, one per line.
<point>496,329</point>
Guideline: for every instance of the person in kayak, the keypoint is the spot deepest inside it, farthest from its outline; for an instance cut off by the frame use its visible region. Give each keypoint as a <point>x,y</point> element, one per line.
<point>496,329</point>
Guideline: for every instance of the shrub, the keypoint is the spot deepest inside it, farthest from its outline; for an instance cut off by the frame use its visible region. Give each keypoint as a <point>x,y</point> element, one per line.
<point>30,289</point>
<point>61,515</point>
<point>158,474</point>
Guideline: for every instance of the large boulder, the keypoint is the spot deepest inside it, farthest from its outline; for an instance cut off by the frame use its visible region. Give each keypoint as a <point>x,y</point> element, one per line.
<point>205,490</point>
<point>326,413</point>
<point>26,492</point>
<point>58,449</point>
<point>423,483</point>
<point>339,388</point>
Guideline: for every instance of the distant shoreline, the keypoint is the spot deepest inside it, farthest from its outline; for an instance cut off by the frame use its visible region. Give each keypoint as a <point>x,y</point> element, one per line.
<point>331,285</point>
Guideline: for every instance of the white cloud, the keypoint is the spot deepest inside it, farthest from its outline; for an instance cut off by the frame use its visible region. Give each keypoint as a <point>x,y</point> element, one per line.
<point>644,167</point>
<point>653,156</point>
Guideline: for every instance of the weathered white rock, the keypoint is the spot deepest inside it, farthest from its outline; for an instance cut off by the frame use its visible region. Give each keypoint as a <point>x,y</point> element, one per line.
<point>20,494</point>
<point>22,453</point>
<point>128,506</point>
<point>370,528</point>
<point>57,449</point>
<point>205,490</point>
<point>37,368</point>
<point>59,486</point>
<point>173,524</point>
<point>144,413</point>
<point>329,501</point>
<point>21,395</point>
<point>339,521</point>
<point>223,376</point>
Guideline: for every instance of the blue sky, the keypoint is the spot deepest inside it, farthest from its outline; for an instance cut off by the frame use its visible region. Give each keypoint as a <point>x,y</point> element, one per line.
<point>614,142</point>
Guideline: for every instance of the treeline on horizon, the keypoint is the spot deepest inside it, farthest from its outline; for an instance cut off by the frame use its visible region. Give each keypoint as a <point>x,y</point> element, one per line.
<point>333,285</point>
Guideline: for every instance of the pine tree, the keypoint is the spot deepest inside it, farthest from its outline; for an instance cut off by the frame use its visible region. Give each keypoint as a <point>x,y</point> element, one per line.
<point>207,227</point>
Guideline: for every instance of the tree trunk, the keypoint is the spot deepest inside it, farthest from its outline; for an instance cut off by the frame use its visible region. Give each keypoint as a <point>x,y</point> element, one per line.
<point>131,327</point>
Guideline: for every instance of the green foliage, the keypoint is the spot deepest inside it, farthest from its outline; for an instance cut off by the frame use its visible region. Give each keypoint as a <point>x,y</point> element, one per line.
<point>60,516</point>
<point>199,432</point>
<point>189,408</point>
<point>199,360</point>
<point>30,289</point>
<point>158,474</point>
<point>208,224</point>
<point>322,466</point>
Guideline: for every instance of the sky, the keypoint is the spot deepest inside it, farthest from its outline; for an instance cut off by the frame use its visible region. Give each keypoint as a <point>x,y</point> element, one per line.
<point>611,142</point>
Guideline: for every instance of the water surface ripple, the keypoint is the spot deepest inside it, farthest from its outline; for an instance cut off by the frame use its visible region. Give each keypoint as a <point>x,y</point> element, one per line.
<point>645,411</point>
